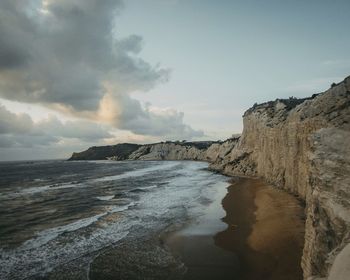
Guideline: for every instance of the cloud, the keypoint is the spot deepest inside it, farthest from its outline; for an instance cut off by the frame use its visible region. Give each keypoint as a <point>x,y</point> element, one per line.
<point>83,130</point>
<point>11,123</point>
<point>63,54</point>
<point>19,130</point>
<point>159,122</point>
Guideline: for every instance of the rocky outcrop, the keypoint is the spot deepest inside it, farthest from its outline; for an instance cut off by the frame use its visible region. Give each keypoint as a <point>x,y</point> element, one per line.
<point>118,152</point>
<point>302,146</point>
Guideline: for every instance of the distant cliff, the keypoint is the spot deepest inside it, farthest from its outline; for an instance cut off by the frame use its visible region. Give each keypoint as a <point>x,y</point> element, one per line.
<point>299,145</point>
<point>201,150</point>
<point>118,152</point>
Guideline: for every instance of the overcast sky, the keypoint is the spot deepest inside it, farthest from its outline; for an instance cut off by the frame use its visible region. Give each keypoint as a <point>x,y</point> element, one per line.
<point>77,73</point>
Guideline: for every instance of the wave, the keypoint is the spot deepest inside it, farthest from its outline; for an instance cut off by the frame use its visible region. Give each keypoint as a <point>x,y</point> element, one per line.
<point>139,172</point>
<point>47,235</point>
<point>172,196</point>
<point>34,190</point>
<point>144,189</point>
<point>105,197</point>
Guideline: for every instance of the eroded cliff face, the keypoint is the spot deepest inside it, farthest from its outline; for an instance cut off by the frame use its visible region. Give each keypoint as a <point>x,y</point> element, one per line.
<point>210,151</point>
<point>169,151</point>
<point>328,212</point>
<point>302,146</point>
<point>203,151</point>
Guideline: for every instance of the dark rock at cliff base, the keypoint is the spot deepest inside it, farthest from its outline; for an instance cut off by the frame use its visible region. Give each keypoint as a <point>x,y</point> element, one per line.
<point>120,151</point>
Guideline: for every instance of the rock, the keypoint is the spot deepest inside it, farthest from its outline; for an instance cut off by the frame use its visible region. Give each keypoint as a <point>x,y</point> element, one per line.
<point>117,152</point>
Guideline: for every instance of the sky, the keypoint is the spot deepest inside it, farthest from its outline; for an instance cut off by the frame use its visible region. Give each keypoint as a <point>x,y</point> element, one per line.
<point>80,73</point>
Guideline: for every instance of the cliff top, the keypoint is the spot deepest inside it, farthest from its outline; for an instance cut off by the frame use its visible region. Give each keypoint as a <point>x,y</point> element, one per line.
<point>291,102</point>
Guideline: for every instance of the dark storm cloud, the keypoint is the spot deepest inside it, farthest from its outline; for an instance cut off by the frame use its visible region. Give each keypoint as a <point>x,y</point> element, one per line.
<point>56,52</point>
<point>11,58</point>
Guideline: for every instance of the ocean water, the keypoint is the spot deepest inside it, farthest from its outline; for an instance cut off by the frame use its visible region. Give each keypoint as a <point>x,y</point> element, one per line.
<point>57,213</point>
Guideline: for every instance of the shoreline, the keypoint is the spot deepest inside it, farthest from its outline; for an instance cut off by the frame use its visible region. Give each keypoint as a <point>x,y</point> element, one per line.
<point>193,244</point>
<point>262,239</point>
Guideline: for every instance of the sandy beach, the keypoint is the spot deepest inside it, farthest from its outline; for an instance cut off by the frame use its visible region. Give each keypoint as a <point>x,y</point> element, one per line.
<point>262,239</point>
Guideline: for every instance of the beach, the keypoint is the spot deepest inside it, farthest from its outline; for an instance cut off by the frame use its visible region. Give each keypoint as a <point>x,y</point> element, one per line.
<point>262,238</point>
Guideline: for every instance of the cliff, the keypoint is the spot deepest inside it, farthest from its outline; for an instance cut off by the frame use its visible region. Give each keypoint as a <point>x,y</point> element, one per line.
<point>201,150</point>
<point>172,151</point>
<point>118,152</point>
<point>303,147</point>
<point>299,145</point>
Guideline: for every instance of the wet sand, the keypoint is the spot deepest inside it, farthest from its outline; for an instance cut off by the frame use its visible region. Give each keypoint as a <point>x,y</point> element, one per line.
<point>262,239</point>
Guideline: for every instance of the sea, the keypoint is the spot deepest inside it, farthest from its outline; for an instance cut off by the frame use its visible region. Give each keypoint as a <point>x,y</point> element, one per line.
<point>70,219</point>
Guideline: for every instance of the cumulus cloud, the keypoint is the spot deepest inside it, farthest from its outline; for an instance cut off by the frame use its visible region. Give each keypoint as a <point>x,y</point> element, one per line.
<point>159,122</point>
<point>63,54</point>
<point>19,130</point>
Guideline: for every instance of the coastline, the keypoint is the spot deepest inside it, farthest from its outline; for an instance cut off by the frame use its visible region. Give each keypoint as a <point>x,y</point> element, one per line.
<point>263,237</point>
<point>194,246</point>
